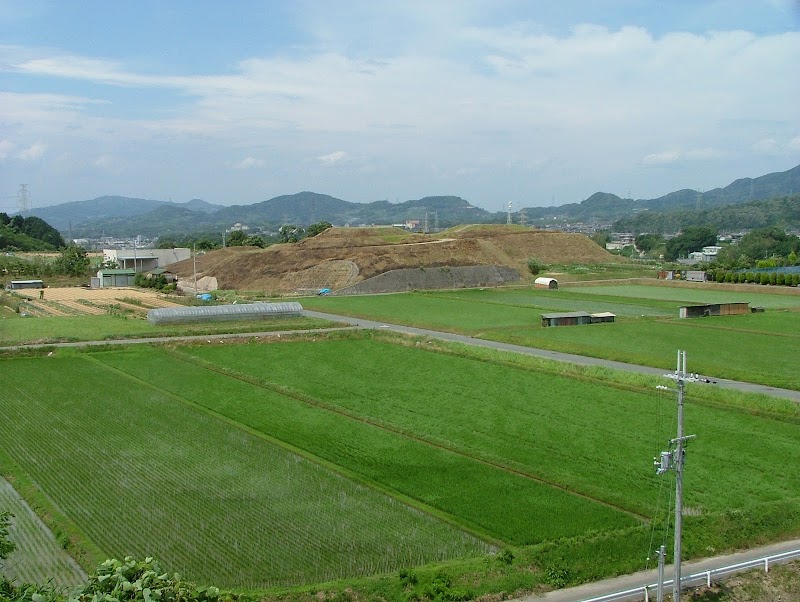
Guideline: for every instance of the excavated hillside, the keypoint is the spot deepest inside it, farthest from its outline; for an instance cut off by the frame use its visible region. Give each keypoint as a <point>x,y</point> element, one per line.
<point>342,256</point>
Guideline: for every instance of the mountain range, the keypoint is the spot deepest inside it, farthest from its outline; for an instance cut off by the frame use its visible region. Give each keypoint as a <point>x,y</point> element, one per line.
<point>122,216</point>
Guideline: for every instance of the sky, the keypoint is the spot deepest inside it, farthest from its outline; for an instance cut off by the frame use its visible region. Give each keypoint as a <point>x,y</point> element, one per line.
<point>532,102</point>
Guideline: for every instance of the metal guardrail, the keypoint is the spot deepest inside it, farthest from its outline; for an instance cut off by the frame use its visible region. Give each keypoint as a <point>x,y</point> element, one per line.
<point>648,592</point>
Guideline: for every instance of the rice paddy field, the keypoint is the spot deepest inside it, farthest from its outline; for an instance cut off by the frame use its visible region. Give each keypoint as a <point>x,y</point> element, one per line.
<point>269,465</point>
<point>759,348</point>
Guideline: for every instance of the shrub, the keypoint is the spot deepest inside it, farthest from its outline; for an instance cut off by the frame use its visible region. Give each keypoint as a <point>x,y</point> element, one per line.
<point>764,278</point>
<point>535,266</point>
<point>773,278</point>
<point>781,279</point>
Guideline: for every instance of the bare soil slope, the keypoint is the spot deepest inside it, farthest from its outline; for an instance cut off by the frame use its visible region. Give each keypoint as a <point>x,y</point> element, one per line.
<point>342,256</point>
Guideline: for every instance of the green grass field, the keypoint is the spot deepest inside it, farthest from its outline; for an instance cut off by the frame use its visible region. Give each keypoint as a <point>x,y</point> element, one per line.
<point>756,348</point>
<point>142,472</point>
<point>256,465</point>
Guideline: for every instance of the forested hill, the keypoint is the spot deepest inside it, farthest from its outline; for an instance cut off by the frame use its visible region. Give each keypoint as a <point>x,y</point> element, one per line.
<point>783,212</point>
<point>28,234</point>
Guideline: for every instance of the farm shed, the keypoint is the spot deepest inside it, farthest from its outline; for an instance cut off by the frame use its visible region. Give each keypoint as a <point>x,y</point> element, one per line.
<point>243,311</point>
<point>603,316</point>
<point>695,276</point>
<point>714,309</point>
<point>109,278</point>
<point>543,282</point>
<point>19,284</point>
<point>572,318</point>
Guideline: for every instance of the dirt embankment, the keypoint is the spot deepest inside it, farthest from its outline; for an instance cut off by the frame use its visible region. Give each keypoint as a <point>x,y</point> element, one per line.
<point>344,256</point>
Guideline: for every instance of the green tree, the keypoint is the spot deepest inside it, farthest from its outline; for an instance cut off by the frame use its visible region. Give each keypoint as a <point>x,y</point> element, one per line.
<point>6,545</point>
<point>317,228</point>
<point>236,238</point>
<point>692,239</point>
<point>648,242</point>
<point>254,241</point>
<point>74,261</point>
<point>290,233</point>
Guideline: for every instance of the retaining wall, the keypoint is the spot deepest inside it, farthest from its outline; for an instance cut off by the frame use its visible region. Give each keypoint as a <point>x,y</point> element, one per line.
<point>409,279</point>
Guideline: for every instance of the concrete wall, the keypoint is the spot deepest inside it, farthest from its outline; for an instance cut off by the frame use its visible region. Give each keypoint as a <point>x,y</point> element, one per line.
<point>433,278</point>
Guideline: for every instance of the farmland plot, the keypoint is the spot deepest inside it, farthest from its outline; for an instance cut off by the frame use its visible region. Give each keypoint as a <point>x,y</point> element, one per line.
<point>143,473</point>
<point>493,500</point>
<point>647,331</point>
<point>589,438</point>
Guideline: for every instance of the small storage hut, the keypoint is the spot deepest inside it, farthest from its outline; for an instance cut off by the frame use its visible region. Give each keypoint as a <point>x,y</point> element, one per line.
<point>20,284</point>
<point>242,311</point>
<point>572,318</point>
<point>109,278</point>
<point>603,316</point>
<point>543,282</point>
<point>714,309</point>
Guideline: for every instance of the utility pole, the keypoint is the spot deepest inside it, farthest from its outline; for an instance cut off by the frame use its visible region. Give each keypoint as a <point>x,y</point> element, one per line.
<point>508,217</point>
<point>673,460</point>
<point>194,265</point>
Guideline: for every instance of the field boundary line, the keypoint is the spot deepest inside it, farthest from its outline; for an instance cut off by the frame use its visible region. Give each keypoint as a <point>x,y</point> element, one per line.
<point>311,401</point>
<point>311,457</point>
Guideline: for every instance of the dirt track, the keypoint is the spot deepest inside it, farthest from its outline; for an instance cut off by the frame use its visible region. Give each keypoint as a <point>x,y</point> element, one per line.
<point>77,301</point>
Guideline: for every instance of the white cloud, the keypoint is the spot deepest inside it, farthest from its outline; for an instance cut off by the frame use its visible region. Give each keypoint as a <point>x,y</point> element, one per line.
<point>602,102</point>
<point>766,145</point>
<point>662,158</point>
<point>333,158</point>
<point>33,152</point>
<point>249,163</point>
<point>6,148</point>
<point>794,143</point>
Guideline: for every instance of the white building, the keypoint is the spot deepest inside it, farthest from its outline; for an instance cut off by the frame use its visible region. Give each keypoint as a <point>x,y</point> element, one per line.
<point>144,260</point>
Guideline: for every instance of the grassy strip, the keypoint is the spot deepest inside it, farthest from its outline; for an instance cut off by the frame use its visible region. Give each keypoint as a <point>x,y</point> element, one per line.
<point>108,327</point>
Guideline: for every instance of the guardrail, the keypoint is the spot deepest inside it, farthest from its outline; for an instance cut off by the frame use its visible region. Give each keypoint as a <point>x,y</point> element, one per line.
<point>648,592</point>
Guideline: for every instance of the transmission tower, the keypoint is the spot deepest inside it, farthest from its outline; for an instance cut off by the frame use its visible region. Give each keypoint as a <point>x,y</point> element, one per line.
<point>23,200</point>
<point>508,218</point>
<point>523,218</point>
<point>425,224</point>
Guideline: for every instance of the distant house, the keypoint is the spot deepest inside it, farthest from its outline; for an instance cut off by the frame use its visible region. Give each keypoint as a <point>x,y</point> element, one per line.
<point>542,282</point>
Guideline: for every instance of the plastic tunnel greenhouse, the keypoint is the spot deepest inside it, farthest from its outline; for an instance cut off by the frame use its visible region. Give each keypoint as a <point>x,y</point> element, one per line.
<point>243,311</point>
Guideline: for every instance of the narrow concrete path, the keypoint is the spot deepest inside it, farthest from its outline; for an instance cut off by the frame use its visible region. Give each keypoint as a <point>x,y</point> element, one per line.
<point>547,354</point>
<point>645,578</point>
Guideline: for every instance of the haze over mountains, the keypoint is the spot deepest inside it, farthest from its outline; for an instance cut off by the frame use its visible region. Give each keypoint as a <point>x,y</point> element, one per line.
<point>122,216</point>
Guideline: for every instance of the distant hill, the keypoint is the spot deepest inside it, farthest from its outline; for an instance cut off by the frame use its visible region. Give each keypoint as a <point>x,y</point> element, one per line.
<point>781,211</point>
<point>108,208</point>
<point>121,216</point>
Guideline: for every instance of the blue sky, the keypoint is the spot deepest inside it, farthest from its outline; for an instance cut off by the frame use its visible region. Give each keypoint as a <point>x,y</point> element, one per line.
<point>530,102</point>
